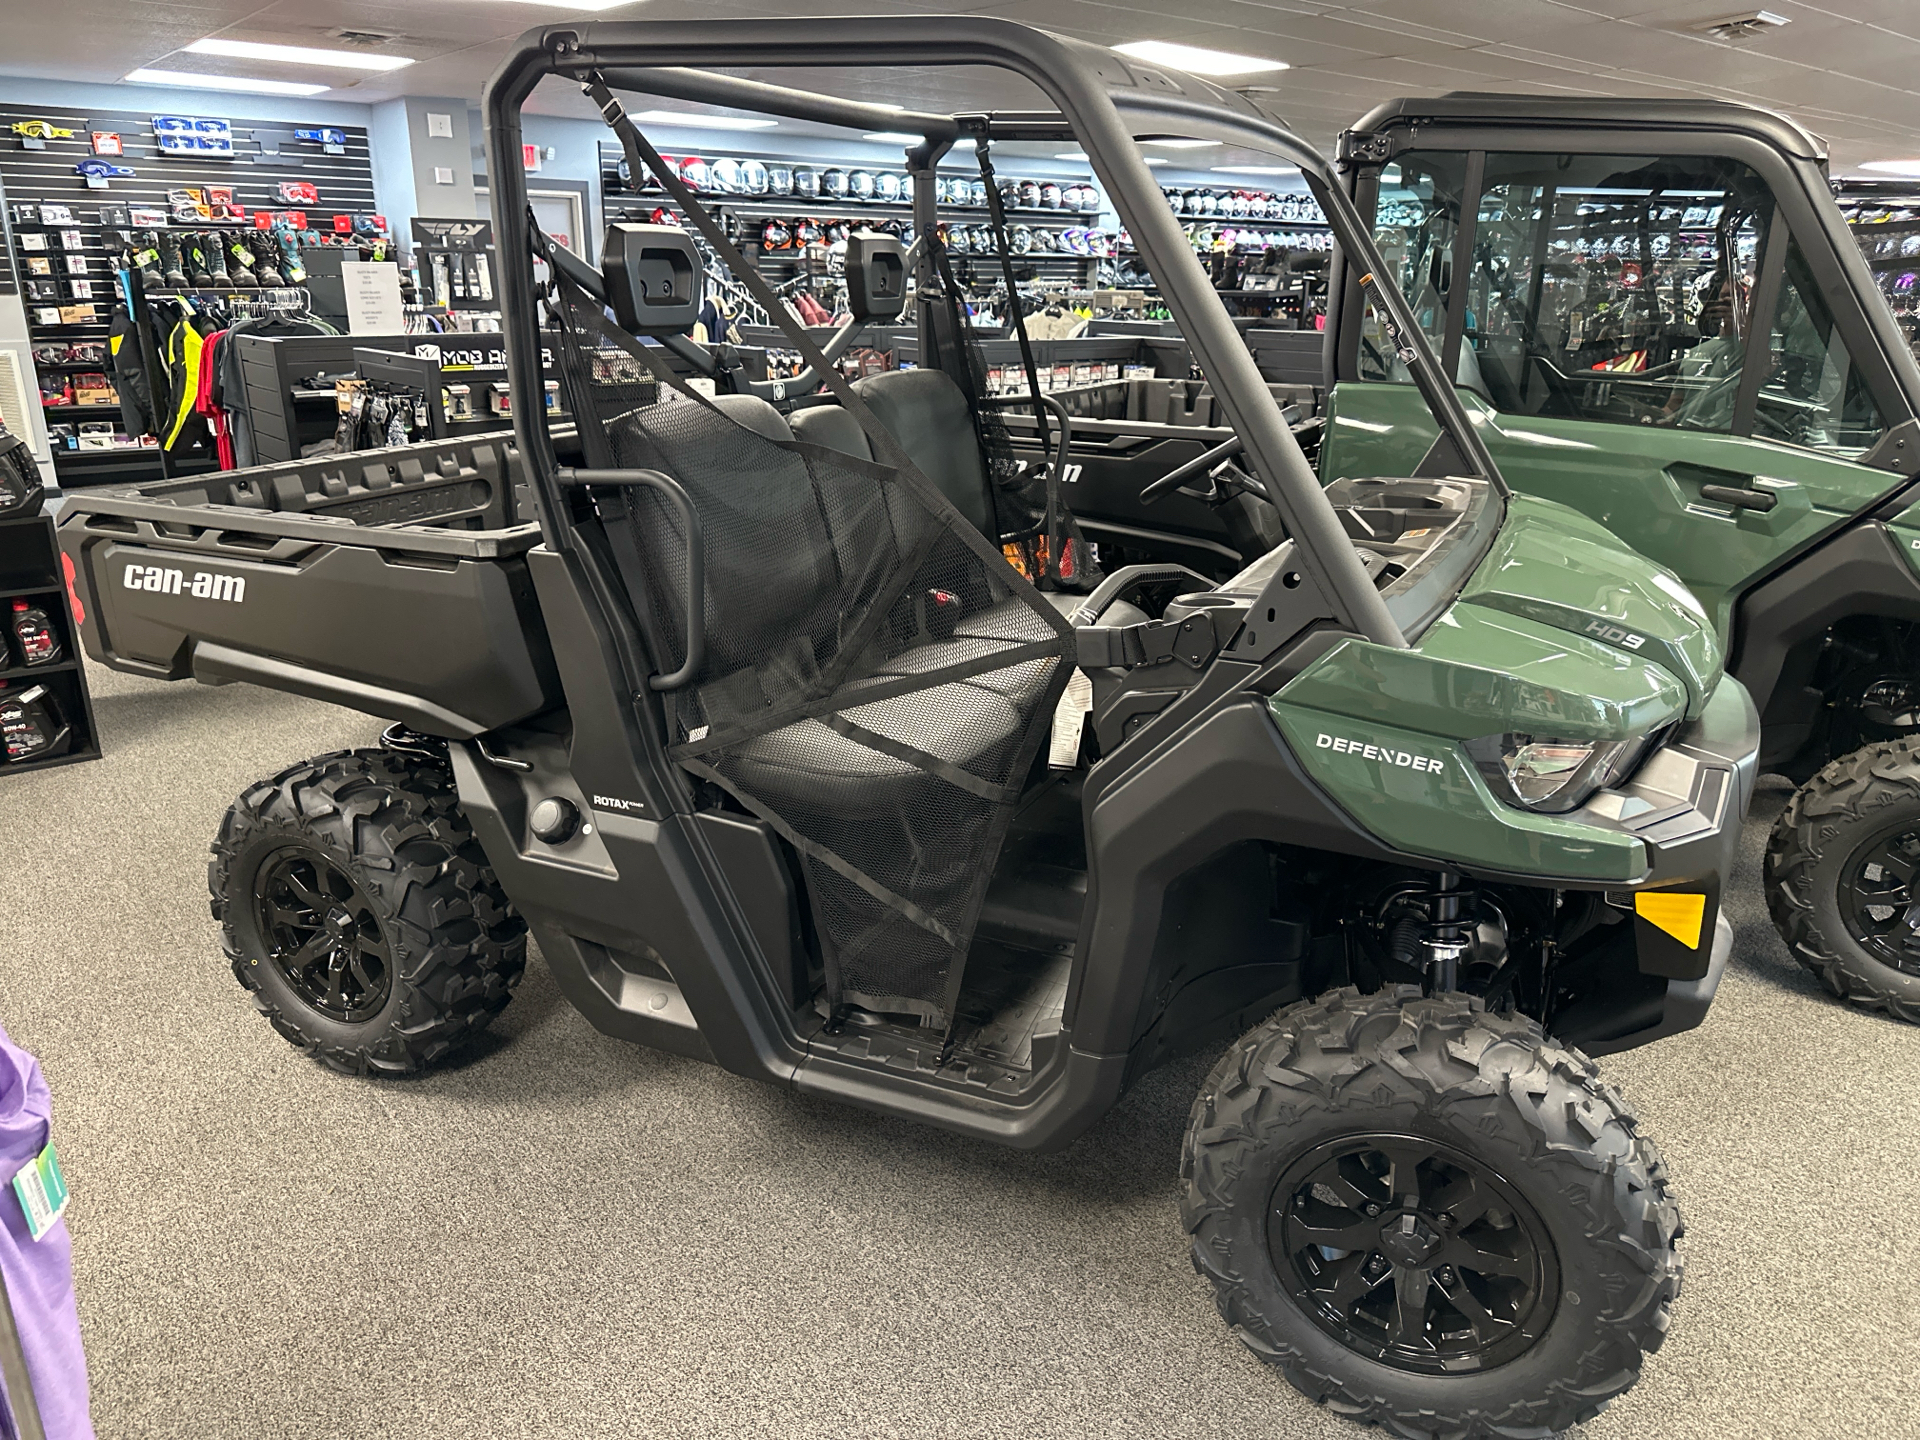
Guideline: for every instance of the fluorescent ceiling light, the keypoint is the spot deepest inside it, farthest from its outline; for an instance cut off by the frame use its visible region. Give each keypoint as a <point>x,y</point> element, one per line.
<point>1197,61</point>
<point>576,4</point>
<point>1182,144</point>
<point>703,122</point>
<point>893,137</point>
<point>1079,157</point>
<point>1256,169</point>
<point>196,81</point>
<point>298,54</point>
<point>1893,167</point>
<point>885,105</point>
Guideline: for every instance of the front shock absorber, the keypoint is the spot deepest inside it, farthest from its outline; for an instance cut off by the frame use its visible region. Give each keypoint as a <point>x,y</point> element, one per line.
<point>1449,931</point>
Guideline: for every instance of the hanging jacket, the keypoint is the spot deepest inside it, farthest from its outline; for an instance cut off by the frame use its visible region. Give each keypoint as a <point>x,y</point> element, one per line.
<point>207,396</point>
<point>130,377</point>
<point>186,427</point>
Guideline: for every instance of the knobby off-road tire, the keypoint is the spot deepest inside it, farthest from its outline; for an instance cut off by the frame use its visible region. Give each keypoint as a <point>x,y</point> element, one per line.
<point>1438,1075</point>
<point>380,839</point>
<point>1816,842</point>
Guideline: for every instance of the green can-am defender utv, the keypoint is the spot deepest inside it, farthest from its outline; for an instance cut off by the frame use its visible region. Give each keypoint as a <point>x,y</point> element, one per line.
<point>787,767</point>
<point>1656,315</point>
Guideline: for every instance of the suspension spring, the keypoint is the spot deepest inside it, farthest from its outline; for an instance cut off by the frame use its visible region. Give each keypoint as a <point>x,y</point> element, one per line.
<point>1448,933</point>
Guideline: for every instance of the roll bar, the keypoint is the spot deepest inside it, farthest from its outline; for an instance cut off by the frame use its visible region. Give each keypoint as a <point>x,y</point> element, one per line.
<point>1083,81</point>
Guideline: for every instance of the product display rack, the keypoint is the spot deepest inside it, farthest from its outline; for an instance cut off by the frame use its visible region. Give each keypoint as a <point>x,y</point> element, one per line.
<point>30,569</point>
<point>1884,216</point>
<point>745,215</point>
<point>264,155</point>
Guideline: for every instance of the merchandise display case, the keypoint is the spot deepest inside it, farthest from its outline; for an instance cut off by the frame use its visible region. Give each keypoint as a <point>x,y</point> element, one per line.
<point>46,714</point>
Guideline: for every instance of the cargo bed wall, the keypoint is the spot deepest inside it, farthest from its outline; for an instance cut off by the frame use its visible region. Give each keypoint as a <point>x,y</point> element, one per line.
<point>354,580</point>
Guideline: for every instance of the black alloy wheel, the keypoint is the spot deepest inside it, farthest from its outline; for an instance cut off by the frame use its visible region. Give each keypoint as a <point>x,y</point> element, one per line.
<point>1411,1253</point>
<point>322,934</point>
<point>1877,899</point>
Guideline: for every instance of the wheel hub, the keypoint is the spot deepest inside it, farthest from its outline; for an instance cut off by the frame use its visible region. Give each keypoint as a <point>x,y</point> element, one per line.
<point>1413,1253</point>
<point>319,930</point>
<point>1410,1239</point>
<point>1879,899</point>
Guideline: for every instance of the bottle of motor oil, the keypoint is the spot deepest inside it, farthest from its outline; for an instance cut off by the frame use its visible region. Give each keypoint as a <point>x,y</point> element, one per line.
<point>31,726</point>
<point>33,634</point>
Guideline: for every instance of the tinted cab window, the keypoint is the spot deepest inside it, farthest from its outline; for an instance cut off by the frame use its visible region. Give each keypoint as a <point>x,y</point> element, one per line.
<point>1621,289</point>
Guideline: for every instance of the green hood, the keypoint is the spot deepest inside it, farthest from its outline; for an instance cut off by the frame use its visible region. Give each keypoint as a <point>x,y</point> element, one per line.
<point>1554,566</point>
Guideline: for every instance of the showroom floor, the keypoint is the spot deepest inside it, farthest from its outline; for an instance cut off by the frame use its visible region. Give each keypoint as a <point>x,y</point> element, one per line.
<point>565,1236</point>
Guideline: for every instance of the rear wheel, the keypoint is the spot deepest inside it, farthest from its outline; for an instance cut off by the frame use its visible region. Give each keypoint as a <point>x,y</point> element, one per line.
<point>357,907</point>
<point>1429,1217</point>
<point>1843,877</point>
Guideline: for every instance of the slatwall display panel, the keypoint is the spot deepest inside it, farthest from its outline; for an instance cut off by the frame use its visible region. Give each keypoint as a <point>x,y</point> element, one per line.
<point>745,217</point>
<point>42,177</point>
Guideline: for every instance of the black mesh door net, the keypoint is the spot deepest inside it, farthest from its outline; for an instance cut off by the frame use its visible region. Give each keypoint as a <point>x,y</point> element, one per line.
<point>876,679</point>
<point>876,684</point>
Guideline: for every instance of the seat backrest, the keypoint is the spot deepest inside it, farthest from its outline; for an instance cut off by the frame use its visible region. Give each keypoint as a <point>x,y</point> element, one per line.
<point>927,413</point>
<point>772,570</point>
<point>833,428</point>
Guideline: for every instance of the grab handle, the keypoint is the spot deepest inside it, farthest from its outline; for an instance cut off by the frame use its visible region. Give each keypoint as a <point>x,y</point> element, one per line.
<point>696,563</point>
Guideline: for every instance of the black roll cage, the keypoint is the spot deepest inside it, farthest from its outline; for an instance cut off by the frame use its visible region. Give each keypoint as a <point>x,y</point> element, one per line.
<point>1093,89</point>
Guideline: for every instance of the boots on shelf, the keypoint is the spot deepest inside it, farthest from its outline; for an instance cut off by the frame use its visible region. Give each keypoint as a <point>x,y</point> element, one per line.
<point>171,275</point>
<point>214,246</point>
<point>266,259</point>
<point>193,259</point>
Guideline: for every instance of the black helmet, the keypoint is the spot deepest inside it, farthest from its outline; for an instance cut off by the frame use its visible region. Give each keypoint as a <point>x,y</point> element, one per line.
<point>806,180</point>
<point>833,183</point>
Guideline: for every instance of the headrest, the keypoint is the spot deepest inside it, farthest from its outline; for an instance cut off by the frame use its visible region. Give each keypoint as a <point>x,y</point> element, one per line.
<point>653,278</point>
<point>876,276</point>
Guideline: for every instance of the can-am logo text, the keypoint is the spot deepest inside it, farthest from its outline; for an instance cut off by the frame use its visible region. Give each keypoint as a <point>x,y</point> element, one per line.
<point>202,584</point>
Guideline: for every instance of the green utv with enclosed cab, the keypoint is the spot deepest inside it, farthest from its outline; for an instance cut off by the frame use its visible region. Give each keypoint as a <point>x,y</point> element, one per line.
<point>1655,314</point>
<point>754,726</point>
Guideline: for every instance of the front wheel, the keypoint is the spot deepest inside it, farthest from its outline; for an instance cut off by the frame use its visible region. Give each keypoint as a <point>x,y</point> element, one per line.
<point>357,907</point>
<point>1841,871</point>
<point>1430,1218</point>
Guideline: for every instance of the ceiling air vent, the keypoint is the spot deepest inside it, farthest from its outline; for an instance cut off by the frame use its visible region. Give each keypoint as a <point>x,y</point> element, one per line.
<point>369,39</point>
<point>1750,26</point>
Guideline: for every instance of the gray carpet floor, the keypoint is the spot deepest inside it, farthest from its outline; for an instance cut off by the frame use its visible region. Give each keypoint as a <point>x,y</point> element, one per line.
<point>565,1236</point>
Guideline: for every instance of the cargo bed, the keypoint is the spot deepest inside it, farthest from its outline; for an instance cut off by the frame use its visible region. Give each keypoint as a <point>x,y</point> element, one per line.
<point>391,581</point>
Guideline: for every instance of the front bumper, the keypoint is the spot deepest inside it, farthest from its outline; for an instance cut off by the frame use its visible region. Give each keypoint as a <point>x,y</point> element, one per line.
<point>1686,804</point>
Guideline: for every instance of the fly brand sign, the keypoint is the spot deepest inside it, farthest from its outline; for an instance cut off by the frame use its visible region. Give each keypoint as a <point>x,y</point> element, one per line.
<point>202,584</point>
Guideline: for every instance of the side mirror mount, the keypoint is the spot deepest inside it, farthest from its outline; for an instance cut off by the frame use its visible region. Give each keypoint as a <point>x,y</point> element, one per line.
<point>876,277</point>
<point>653,277</point>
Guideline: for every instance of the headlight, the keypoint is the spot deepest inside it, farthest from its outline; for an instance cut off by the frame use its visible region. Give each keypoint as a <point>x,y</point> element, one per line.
<point>1553,776</point>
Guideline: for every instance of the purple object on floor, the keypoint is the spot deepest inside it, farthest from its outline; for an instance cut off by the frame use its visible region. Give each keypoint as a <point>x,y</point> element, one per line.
<point>39,1273</point>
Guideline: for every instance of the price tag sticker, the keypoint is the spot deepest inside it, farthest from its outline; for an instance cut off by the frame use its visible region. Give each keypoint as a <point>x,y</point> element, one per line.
<point>1070,721</point>
<point>42,1191</point>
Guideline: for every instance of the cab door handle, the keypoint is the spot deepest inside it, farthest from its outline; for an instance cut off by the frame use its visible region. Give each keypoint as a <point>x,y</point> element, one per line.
<point>1761,500</point>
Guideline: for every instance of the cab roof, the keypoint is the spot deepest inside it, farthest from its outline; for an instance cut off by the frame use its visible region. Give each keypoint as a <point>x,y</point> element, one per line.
<point>1465,108</point>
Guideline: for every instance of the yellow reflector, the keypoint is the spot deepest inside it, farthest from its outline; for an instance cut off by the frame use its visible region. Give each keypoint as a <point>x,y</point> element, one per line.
<point>1681,916</point>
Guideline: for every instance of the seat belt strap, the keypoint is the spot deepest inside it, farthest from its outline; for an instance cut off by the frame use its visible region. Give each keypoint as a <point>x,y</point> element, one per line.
<point>642,157</point>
